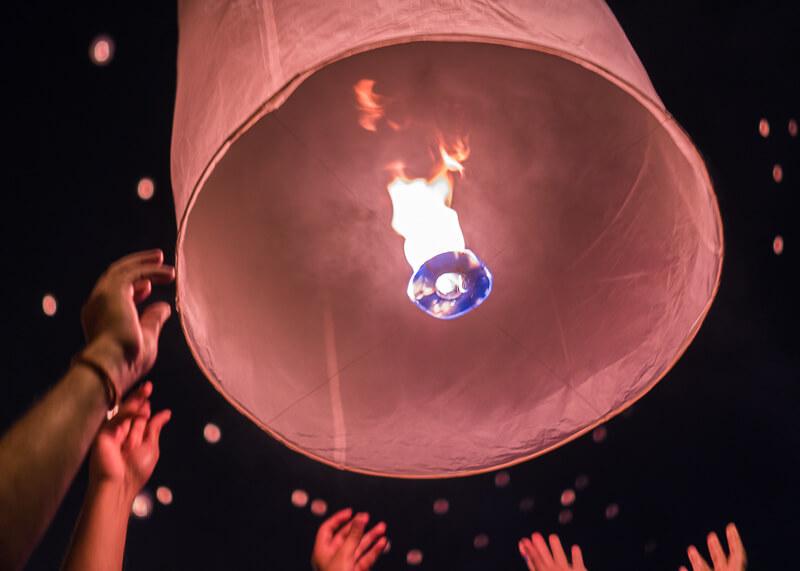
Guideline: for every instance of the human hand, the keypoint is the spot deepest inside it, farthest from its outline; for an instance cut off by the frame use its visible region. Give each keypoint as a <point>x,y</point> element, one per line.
<point>125,451</point>
<point>736,561</point>
<point>342,545</point>
<point>538,556</point>
<point>123,341</point>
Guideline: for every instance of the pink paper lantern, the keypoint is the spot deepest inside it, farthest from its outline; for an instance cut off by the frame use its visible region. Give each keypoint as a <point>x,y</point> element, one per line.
<point>580,193</point>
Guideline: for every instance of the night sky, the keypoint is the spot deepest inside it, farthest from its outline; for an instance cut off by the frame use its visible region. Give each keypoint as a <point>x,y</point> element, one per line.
<point>715,441</point>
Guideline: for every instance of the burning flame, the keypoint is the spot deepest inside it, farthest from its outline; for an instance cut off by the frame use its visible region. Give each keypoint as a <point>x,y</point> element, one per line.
<point>447,280</point>
<point>422,213</point>
<point>369,106</point>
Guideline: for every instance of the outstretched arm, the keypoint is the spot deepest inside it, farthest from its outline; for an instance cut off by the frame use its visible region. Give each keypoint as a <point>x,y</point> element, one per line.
<point>123,458</point>
<point>41,453</point>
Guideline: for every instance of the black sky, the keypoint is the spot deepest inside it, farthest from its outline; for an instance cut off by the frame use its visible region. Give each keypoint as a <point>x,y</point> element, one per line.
<point>714,441</point>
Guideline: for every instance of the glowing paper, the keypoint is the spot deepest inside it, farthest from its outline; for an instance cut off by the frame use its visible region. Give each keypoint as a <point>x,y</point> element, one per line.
<point>588,202</point>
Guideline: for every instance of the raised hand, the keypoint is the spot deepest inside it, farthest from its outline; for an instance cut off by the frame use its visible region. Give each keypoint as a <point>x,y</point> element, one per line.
<point>125,451</point>
<point>342,545</point>
<point>539,557</point>
<point>736,561</point>
<point>123,457</point>
<point>117,336</point>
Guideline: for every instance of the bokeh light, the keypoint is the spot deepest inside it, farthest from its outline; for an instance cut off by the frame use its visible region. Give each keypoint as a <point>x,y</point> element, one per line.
<point>164,495</point>
<point>526,504</point>
<point>501,479</point>
<point>599,434</point>
<point>101,50</point>
<point>763,128</point>
<point>568,497</point>
<point>612,511</point>
<point>49,305</point>
<point>142,505</point>
<point>146,188</point>
<point>212,433</point>
<point>777,173</point>
<point>793,127</point>
<point>777,245</point>
<point>319,507</point>
<point>414,557</point>
<point>582,482</point>
<point>565,517</point>
<point>481,541</point>
<point>299,498</point>
<point>441,506</point>
<point>650,546</point>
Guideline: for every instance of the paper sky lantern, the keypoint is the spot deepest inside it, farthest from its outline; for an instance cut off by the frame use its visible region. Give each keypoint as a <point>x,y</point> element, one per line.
<point>431,238</point>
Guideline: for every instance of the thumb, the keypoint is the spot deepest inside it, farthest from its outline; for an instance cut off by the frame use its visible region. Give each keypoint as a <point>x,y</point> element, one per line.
<point>154,317</point>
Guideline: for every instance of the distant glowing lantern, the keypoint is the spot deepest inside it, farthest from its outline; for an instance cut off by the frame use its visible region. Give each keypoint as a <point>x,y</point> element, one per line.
<point>49,305</point>
<point>101,50</point>
<point>145,188</point>
<point>164,495</point>
<point>562,233</point>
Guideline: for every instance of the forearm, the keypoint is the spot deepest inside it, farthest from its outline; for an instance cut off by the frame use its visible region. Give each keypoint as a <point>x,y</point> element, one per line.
<point>99,540</point>
<point>40,456</point>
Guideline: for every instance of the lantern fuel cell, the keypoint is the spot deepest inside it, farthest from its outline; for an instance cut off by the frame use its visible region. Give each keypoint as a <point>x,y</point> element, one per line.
<point>450,284</point>
<point>551,175</point>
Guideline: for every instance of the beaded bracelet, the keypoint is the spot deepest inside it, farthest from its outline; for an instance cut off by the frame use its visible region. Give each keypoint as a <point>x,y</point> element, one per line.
<point>111,389</point>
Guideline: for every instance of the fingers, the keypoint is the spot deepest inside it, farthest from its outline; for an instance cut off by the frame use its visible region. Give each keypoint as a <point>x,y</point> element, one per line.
<point>340,536</point>
<point>142,290</point>
<point>154,317</point>
<point>144,410</point>
<point>558,552</point>
<point>122,430</point>
<point>540,553</point>
<point>356,532</point>
<point>697,561</point>
<point>333,523</point>
<point>146,389</point>
<point>138,267</point>
<point>526,549</point>
<point>135,434</point>
<point>718,557</point>
<point>682,568</point>
<point>577,559</point>
<point>146,256</point>
<point>735,546</point>
<point>158,273</point>
<point>369,538</point>
<point>154,426</point>
<point>369,558</point>
<point>131,406</point>
<point>152,321</point>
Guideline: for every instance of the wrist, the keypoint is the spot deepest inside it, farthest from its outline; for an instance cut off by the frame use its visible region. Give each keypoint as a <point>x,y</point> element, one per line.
<point>113,490</point>
<point>110,356</point>
<point>112,493</point>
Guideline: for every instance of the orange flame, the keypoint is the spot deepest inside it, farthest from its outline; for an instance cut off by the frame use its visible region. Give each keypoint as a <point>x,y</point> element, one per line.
<point>369,104</point>
<point>421,207</point>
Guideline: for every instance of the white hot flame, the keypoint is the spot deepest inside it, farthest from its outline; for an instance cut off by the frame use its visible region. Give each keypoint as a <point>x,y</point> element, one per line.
<point>422,215</point>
